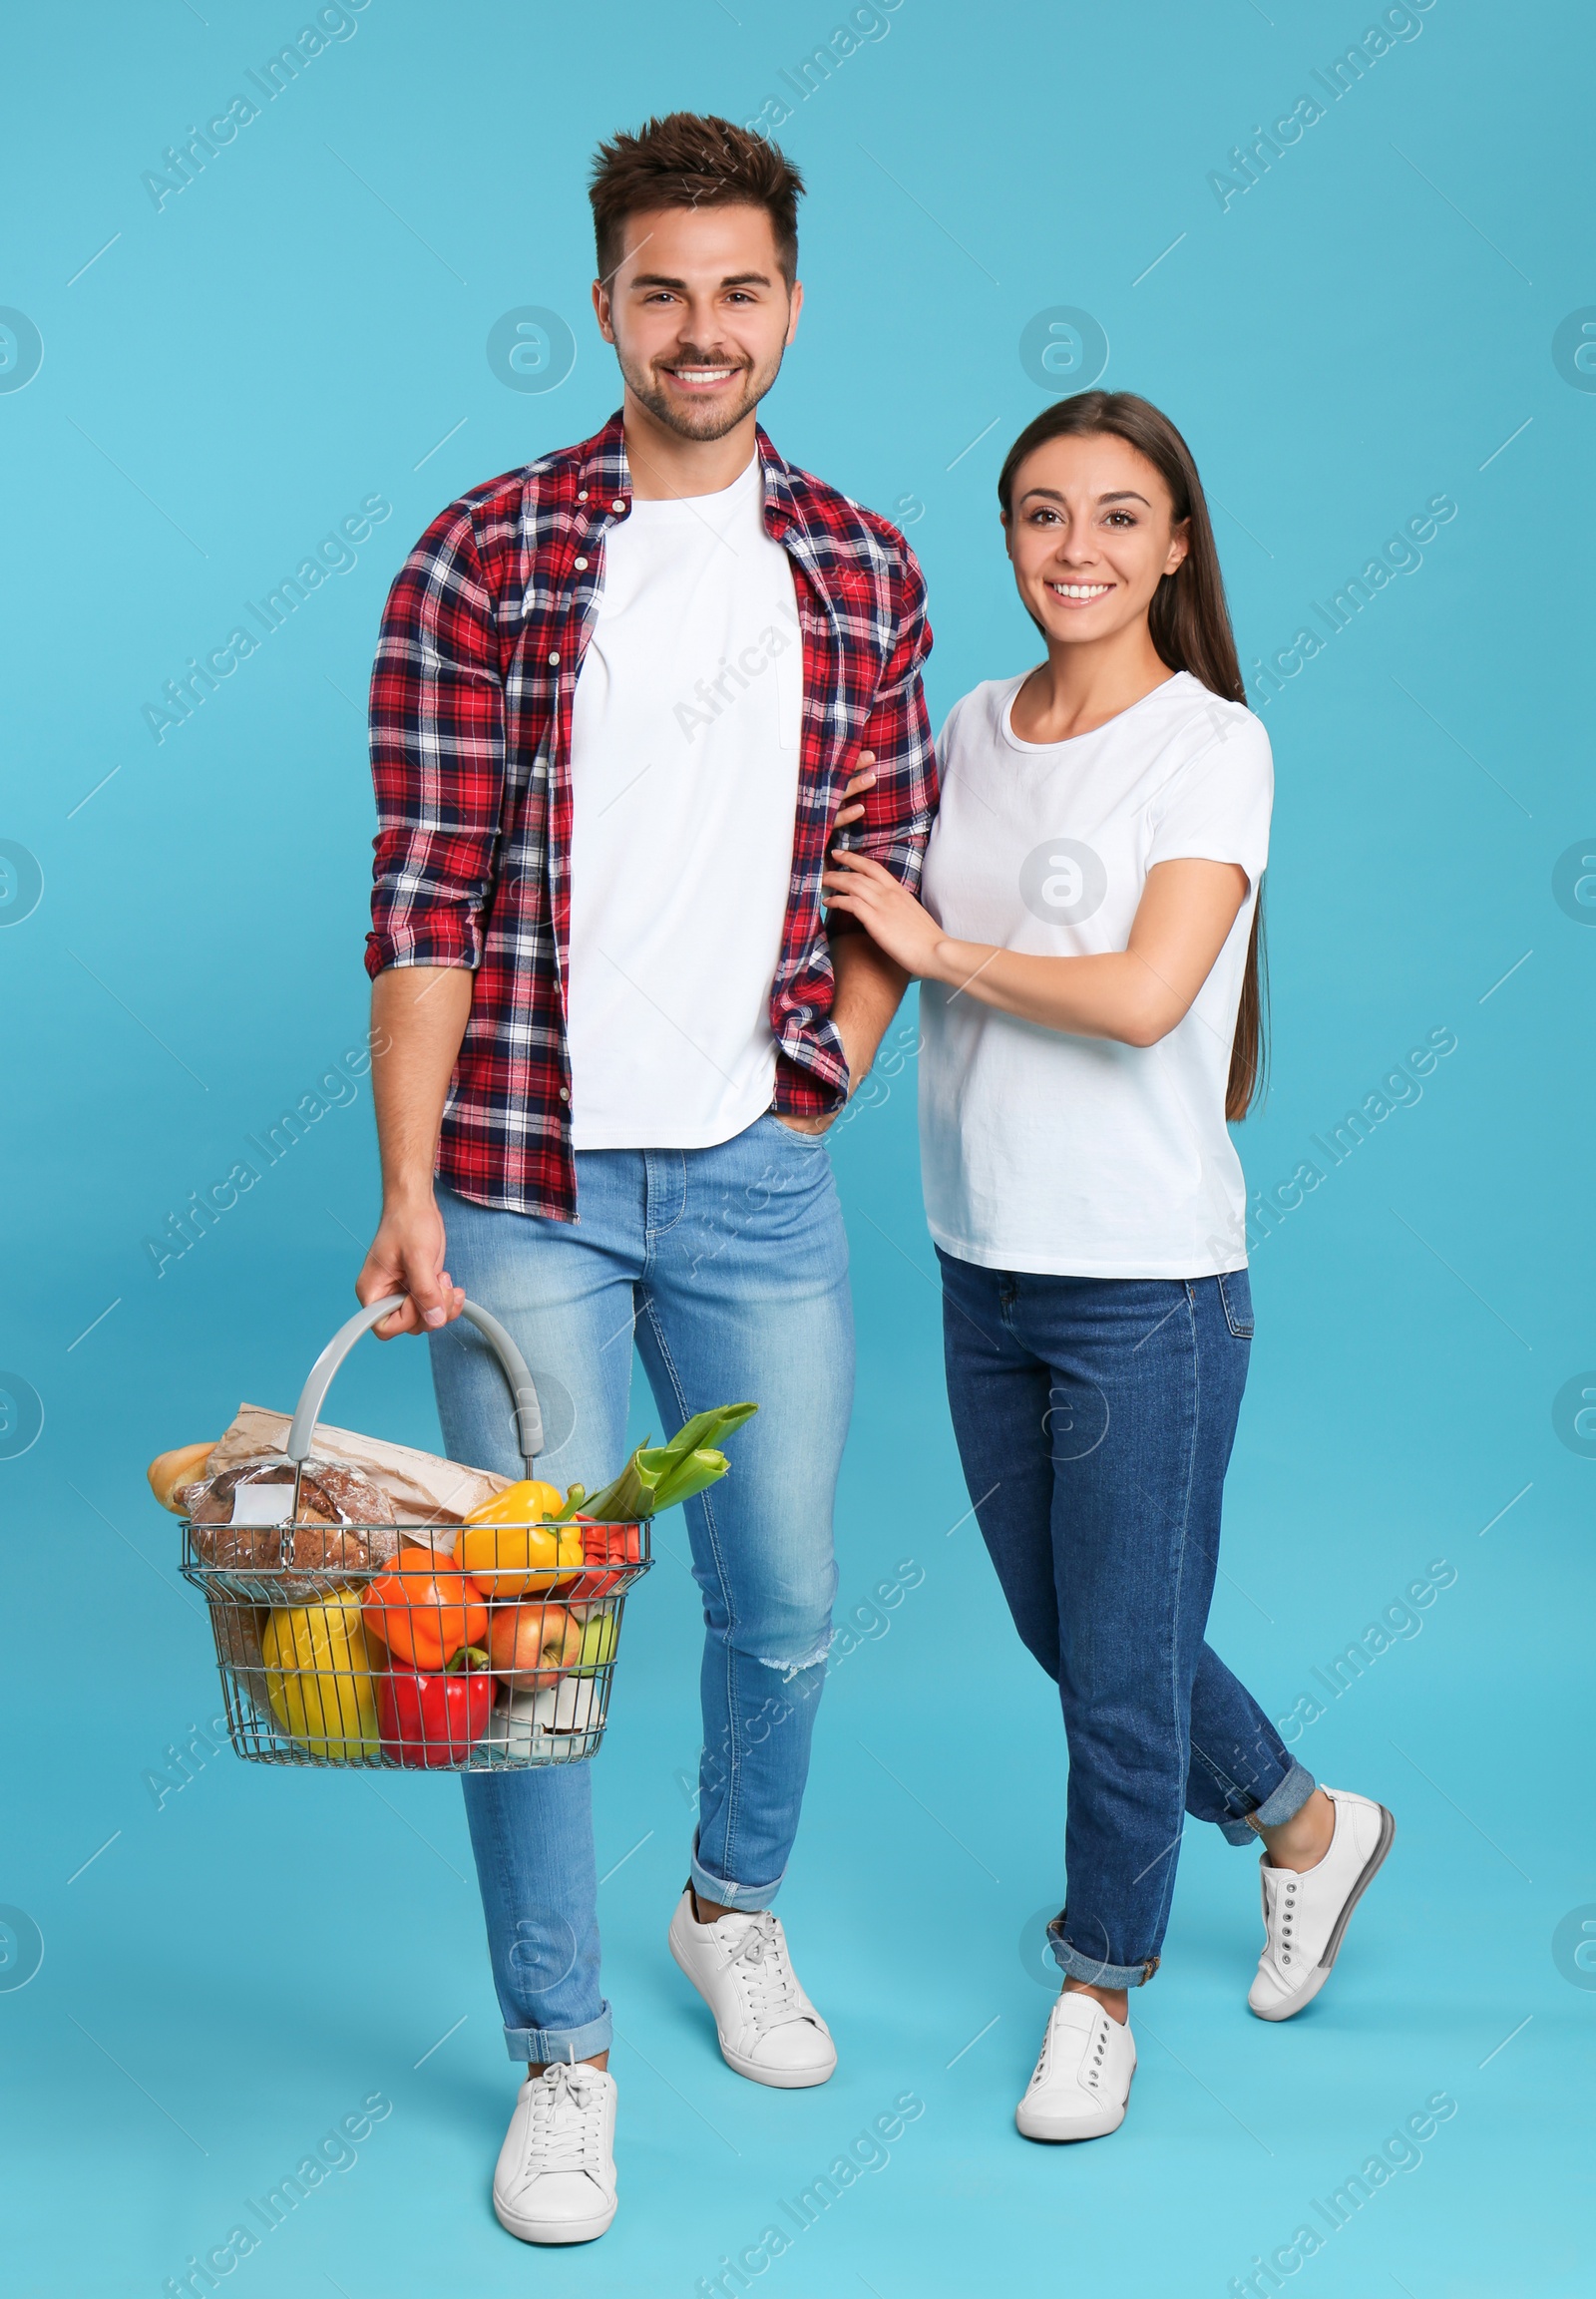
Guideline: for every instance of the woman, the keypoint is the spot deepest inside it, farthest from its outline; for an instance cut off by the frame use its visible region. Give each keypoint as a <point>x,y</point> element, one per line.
<point>1089,950</point>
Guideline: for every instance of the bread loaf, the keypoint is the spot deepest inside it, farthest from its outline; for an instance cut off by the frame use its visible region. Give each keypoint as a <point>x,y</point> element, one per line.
<point>331,1498</point>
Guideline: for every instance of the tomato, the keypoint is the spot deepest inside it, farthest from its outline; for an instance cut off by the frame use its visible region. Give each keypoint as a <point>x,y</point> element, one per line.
<point>607,1551</point>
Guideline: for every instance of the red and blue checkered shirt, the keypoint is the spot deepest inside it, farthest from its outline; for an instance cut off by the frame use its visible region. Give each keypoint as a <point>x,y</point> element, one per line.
<point>471,702</point>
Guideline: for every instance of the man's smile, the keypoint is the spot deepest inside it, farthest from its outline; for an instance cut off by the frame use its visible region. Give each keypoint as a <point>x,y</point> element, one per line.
<point>696,375</point>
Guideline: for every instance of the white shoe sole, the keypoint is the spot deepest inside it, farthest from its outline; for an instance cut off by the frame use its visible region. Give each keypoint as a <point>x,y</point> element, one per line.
<point>779,2078</point>
<point>551,2230</point>
<point>1095,2126</point>
<point>1321,1972</point>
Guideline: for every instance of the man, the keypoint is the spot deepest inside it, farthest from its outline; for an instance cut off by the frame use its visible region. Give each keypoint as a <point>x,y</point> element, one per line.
<point>617,700</point>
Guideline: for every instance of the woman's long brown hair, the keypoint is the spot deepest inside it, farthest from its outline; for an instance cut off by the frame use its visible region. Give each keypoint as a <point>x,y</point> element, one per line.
<point>1190,626</point>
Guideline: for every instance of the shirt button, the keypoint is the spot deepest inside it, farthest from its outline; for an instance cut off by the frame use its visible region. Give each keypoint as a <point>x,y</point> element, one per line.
<point>564,1093</point>
<point>582,496</point>
<point>620,503</point>
<point>553,657</point>
<point>582,567</point>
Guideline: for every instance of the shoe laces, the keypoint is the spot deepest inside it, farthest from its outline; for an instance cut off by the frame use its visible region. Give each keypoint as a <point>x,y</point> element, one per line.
<point>566,2132</point>
<point>768,1983</point>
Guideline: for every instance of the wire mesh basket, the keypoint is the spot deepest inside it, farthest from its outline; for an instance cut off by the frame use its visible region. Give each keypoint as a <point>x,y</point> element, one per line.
<point>367,1645</point>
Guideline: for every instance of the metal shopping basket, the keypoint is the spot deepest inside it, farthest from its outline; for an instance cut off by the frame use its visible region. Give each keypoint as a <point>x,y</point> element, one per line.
<point>308,1680</point>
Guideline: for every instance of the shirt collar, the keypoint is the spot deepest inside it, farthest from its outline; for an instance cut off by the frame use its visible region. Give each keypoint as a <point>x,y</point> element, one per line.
<point>604,492</point>
<point>780,510</point>
<point>604,479</point>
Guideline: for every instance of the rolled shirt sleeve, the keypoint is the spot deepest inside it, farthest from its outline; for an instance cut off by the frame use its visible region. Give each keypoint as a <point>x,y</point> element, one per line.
<point>900,806</point>
<point>436,754</point>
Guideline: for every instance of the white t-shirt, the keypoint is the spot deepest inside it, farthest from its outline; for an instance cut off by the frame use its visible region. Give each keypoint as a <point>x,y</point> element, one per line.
<point>684,779</point>
<point>1078,1156</point>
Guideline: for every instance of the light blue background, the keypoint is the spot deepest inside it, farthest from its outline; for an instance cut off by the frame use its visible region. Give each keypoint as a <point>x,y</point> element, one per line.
<point>1365,327</point>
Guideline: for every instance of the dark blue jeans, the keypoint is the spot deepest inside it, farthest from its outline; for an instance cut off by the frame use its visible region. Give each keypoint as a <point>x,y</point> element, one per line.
<point>1094,1419</point>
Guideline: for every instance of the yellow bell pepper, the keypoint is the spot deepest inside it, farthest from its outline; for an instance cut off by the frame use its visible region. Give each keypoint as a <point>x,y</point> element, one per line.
<point>318,1678</point>
<point>509,1552</point>
<point>528,1502</point>
<point>516,1560</point>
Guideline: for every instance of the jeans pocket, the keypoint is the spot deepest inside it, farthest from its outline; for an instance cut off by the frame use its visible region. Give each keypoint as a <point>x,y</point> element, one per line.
<point>1235,1291</point>
<point>794,1133</point>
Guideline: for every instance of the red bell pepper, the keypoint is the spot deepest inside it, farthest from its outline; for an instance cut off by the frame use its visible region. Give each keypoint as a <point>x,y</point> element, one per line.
<point>435,1719</point>
<point>607,1550</point>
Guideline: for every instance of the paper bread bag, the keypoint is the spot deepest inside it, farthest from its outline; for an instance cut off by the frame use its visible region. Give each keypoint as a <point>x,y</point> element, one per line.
<point>424,1489</point>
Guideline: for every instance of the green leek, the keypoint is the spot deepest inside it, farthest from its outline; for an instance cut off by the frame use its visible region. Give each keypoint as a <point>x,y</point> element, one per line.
<point>657,1477</point>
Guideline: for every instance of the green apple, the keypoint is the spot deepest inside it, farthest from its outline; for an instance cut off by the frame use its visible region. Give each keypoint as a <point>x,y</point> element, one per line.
<point>597,1639</point>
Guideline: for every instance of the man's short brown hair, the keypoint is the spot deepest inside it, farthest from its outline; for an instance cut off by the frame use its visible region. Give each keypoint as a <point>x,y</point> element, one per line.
<point>692,159</point>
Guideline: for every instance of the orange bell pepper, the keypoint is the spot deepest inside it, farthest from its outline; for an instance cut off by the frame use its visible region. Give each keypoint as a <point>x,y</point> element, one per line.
<point>424,1611</point>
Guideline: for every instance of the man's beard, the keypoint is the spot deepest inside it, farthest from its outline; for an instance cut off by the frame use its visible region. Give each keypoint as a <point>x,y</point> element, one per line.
<point>683,416</point>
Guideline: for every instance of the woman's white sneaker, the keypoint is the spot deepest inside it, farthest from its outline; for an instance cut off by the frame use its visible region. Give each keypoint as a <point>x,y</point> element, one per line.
<point>1306,1915</point>
<point>556,2176</point>
<point>1083,2078</point>
<point>768,2029</point>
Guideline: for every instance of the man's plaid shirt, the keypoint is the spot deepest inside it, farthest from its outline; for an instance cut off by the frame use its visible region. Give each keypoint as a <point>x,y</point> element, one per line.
<point>470,703</point>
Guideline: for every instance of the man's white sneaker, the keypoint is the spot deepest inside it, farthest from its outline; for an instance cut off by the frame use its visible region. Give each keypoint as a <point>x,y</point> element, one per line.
<point>767,2027</point>
<point>556,2178</point>
<point>1083,2078</point>
<point>1306,1916</point>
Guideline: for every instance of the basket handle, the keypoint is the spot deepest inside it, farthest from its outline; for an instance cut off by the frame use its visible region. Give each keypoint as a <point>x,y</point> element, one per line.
<point>528,1413</point>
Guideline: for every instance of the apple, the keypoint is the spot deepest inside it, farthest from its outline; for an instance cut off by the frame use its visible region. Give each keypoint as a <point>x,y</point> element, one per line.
<point>528,1646</point>
<point>598,1633</point>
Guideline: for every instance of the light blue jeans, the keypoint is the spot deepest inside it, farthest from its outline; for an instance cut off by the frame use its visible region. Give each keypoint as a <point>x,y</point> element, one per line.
<point>728,1268</point>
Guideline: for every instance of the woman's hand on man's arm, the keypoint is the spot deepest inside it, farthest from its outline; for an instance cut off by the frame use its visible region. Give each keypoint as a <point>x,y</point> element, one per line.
<point>869,987</point>
<point>895,921</point>
<point>1136,995</point>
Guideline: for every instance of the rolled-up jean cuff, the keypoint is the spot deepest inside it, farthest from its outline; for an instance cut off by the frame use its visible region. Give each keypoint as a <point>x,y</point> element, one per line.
<point>1280,1805</point>
<point>749,1897</point>
<point>1076,1966</point>
<point>545,2044</point>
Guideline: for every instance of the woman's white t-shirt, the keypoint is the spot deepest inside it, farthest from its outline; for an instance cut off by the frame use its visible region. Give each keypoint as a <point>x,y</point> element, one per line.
<point>1079,1156</point>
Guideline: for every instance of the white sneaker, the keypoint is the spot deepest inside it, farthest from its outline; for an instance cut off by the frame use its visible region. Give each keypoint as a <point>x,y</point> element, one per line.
<point>1083,2078</point>
<point>555,2181</point>
<point>1306,1916</point>
<point>767,2027</point>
